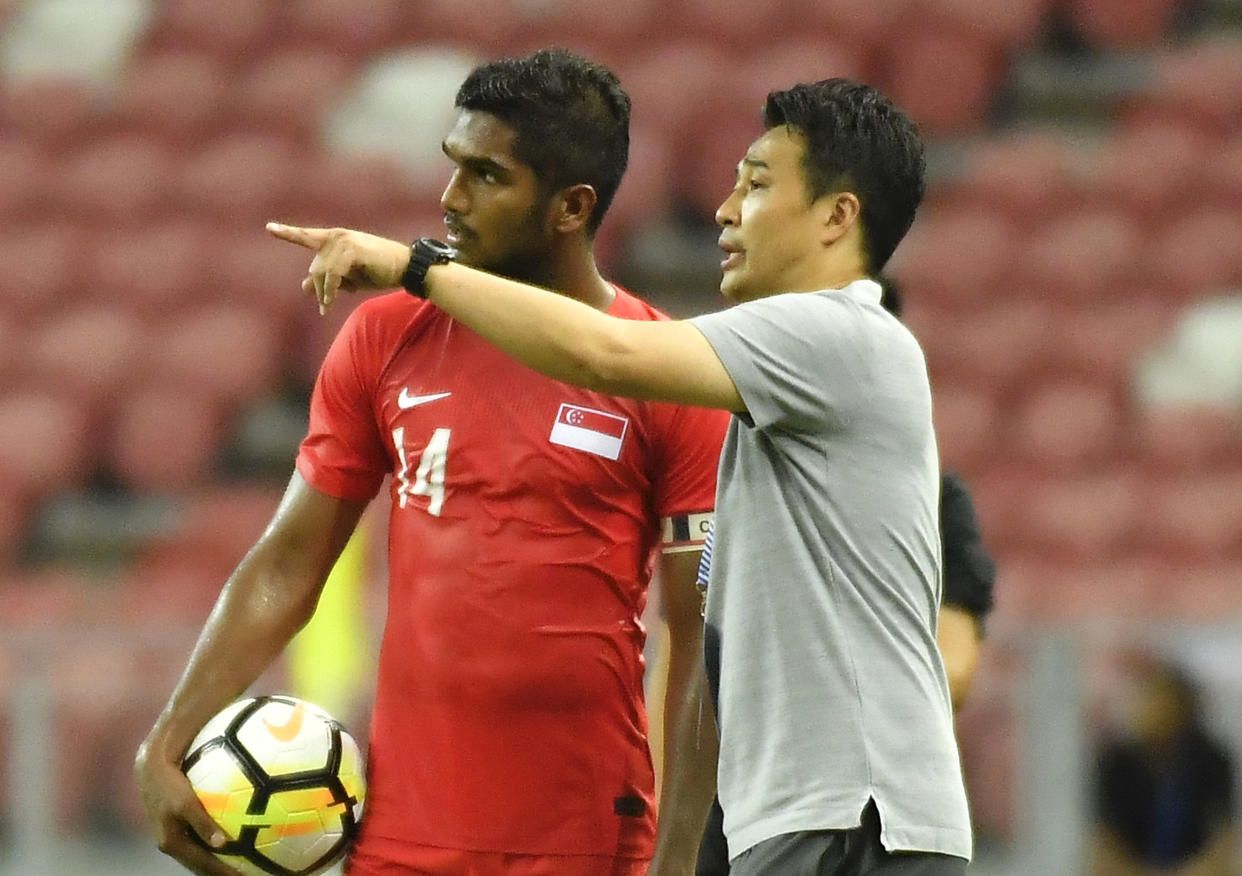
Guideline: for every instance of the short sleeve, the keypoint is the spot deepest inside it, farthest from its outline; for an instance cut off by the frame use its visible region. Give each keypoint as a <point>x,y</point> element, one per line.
<point>798,360</point>
<point>685,482</point>
<point>343,453</point>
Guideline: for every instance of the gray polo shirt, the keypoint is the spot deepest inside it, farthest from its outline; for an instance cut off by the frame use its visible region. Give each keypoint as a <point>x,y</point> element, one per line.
<point>825,580</point>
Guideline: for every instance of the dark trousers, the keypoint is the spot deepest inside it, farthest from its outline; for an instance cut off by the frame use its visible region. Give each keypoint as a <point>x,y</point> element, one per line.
<point>856,852</point>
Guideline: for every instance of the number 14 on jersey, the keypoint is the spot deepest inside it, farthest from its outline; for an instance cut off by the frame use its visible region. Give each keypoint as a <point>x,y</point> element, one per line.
<point>429,476</point>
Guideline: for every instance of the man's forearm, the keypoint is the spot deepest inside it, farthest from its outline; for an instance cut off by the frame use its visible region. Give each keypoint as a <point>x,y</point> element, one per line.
<point>690,749</point>
<point>555,335</point>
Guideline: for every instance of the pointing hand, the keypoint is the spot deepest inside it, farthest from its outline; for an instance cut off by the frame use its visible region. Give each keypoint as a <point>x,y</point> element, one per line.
<point>345,260</point>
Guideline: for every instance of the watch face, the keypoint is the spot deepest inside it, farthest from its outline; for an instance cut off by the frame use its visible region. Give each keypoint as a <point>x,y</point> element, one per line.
<point>437,250</point>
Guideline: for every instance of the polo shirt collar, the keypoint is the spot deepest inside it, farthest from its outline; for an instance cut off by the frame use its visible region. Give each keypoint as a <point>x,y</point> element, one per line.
<point>864,291</point>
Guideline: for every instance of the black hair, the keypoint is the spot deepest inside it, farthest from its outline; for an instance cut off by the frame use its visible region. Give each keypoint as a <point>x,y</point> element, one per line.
<point>892,297</point>
<point>857,141</point>
<point>570,116</point>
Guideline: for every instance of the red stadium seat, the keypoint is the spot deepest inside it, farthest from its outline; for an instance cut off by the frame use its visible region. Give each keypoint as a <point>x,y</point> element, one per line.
<point>155,269</point>
<point>1221,174</point>
<point>164,439</point>
<point>801,58</point>
<point>1009,25</point>
<point>25,175</point>
<point>15,513</point>
<point>240,177</point>
<point>597,28</point>
<point>119,181</point>
<point>645,192</point>
<point>1206,592</point>
<point>729,23</point>
<point>49,113</point>
<point>708,155</point>
<point>312,335</point>
<point>957,258</point>
<point>1082,254</point>
<point>1000,490</point>
<point>43,265</point>
<point>1197,84</point>
<point>335,189</point>
<point>1173,439</point>
<point>44,442</point>
<point>87,353</point>
<point>1087,518</point>
<point>1121,24</point>
<point>1022,175</point>
<point>673,81</point>
<point>1001,345</point>
<point>227,28</point>
<point>1103,341</point>
<point>224,522</point>
<point>290,91</point>
<point>1197,250</point>
<point>368,26</point>
<point>1196,516</point>
<point>489,27</point>
<point>263,277</point>
<point>1149,168</point>
<point>863,23</point>
<point>226,352</point>
<point>1067,426</point>
<point>967,423</point>
<point>958,99</point>
<point>180,97</point>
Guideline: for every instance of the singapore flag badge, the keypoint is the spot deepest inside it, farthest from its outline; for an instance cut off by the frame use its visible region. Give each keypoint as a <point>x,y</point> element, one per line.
<point>590,430</point>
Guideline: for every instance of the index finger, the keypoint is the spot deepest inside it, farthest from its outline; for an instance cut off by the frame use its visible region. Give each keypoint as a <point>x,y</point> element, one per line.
<point>311,238</point>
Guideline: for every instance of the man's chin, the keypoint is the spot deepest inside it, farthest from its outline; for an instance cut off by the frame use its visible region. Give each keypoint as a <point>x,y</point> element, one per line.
<point>732,290</point>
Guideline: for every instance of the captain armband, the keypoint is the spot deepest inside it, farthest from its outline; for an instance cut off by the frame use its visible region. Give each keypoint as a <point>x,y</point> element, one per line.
<point>684,532</point>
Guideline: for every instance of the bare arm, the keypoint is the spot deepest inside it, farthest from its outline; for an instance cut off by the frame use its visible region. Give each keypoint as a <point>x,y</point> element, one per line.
<point>958,638</point>
<point>268,598</point>
<point>555,335</point>
<point>689,778</point>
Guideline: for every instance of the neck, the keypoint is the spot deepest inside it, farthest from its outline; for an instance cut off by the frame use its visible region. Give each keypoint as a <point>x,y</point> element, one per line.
<point>573,273</point>
<point>834,269</point>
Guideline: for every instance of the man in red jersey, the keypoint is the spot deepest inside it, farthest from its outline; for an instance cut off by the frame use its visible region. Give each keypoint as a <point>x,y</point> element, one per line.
<point>509,733</point>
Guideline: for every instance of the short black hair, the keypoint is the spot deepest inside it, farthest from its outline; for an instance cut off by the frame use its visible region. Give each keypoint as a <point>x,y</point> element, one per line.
<point>892,298</point>
<point>570,115</point>
<point>857,141</point>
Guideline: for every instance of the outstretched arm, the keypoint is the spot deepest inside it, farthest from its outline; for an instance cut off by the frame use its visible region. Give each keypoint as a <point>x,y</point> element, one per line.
<point>555,335</point>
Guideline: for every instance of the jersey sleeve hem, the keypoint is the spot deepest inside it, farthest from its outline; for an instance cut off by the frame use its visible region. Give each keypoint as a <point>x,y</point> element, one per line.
<point>336,484</point>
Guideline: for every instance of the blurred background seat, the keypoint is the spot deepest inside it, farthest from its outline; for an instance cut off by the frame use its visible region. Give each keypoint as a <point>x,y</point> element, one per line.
<point>176,96</point>
<point>164,439</point>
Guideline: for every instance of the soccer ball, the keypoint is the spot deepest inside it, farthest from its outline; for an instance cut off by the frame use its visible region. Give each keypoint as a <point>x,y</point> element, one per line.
<point>285,782</point>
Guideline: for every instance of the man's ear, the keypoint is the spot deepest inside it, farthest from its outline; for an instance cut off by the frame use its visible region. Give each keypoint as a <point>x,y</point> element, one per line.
<point>572,208</point>
<point>841,212</point>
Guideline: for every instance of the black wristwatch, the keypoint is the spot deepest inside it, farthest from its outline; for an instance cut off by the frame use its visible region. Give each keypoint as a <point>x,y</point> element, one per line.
<point>424,253</point>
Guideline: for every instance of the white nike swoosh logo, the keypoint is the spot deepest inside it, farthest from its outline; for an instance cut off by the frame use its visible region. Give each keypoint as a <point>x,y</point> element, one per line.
<point>405,401</point>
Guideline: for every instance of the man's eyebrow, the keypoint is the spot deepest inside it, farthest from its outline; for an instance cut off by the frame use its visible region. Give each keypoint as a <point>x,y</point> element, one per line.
<point>475,162</point>
<point>749,163</point>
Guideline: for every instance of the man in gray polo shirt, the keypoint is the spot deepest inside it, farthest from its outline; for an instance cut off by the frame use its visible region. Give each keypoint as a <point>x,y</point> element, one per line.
<point>837,749</point>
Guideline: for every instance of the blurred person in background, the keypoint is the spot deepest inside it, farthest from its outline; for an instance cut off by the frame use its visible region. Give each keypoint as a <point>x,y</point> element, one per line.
<point>969,572</point>
<point>1165,789</point>
<point>509,731</point>
<point>837,752</point>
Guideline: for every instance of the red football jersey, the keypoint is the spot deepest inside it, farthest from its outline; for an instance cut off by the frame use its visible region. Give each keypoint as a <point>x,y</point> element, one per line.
<point>525,519</point>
